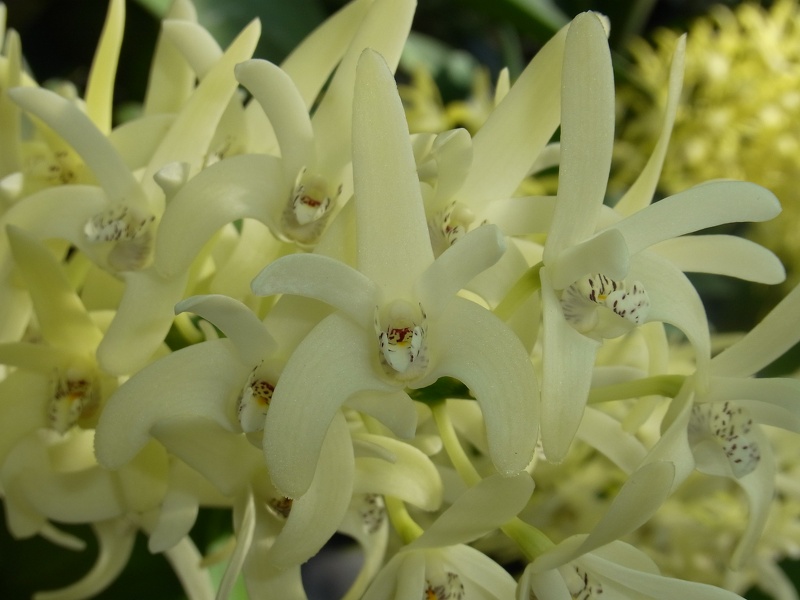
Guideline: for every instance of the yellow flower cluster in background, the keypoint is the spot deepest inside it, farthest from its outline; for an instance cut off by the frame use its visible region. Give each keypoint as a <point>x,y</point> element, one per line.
<point>740,113</point>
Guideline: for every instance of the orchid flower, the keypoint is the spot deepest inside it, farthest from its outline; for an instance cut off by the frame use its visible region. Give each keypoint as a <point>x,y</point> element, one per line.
<point>398,323</point>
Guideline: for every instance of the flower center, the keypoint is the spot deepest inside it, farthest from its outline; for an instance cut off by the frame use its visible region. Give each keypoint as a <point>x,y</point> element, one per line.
<point>74,397</point>
<point>280,507</point>
<point>308,209</point>
<point>403,351</point>
<point>450,588</point>
<point>729,426</point>
<point>580,584</point>
<point>626,304</point>
<point>372,511</point>
<point>129,229</point>
<point>253,403</point>
<point>448,225</point>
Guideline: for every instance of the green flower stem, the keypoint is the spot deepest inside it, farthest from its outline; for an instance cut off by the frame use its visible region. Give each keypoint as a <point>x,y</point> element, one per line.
<point>526,285</point>
<point>658,385</point>
<point>530,540</point>
<point>464,467</point>
<point>406,527</point>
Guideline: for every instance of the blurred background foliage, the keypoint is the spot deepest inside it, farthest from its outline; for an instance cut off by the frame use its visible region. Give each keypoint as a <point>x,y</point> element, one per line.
<point>453,37</point>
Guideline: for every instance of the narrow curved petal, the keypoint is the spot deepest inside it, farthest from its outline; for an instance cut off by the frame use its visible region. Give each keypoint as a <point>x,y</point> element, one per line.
<point>137,140</point>
<point>178,511</point>
<point>487,505</point>
<point>518,129</point>
<point>186,563</point>
<point>606,435</point>
<point>723,255</point>
<point>198,380</point>
<point>411,477</point>
<point>453,152</point>
<point>587,134</point>
<point>457,266</point>
<point>239,324</point>
<point>641,192</point>
<point>115,540</point>
<point>332,363</point>
<point>566,375</point>
<point>100,85</point>
<point>314,59</point>
<point>547,584</point>
<point>194,127</point>
<point>281,102</point>
<point>86,139</point>
<point>522,215</point>
<point>170,80</point>
<point>640,497</point>
<point>244,538</point>
<point>674,300</point>
<point>393,241</point>
<point>478,349</point>
<point>62,318</point>
<point>483,578</point>
<point>705,205</point>
<point>322,278</point>
<point>247,186</point>
<point>141,323</point>
<point>767,341</point>
<point>384,30</point>
<point>316,516</point>
<point>10,122</point>
<point>197,46</point>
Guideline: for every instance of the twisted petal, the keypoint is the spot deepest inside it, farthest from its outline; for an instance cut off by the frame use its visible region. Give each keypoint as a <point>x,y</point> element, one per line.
<point>723,255</point>
<point>587,132</point>
<point>478,349</point>
<point>702,206</point>
<point>333,362</point>
<point>768,340</point>
<point>198,380</point>
<point>322,278</point>
<point>518,129</point>
<point>484,507</point>
<point>566,375</point>
<point>393,242</point>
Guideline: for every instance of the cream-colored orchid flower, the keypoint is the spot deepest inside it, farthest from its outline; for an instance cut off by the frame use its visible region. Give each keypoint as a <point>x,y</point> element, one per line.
<point>598,280</point>
<point>616,570</point>
<point>399,323</point>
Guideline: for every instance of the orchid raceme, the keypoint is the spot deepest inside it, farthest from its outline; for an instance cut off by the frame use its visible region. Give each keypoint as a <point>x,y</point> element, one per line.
<point>262,298</point>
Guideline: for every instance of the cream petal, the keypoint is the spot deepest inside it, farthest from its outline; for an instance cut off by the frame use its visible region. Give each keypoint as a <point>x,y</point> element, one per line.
<point>723,255</point>
<point>517,130</point>
<point>189,137</point>
<point>453,152</point>
<point>322,278</point>
<point>170,80</point>
<point>457,266</point>
<point>384,30</point>
<point>314,59</point>
<point>641,192</point>
<point>115,540</point>
<point>186,563</point>
<point>239,324</point>
<point>637,501</point>
<point>394,409</point>
<point>393,240</point>
<point>197,46</point>
<point>482,577</point>
<point>411,477</point>
<point>10,123</point>
<point>87,140</point>
<point>522,215</point>
<point>478,349</point>
<point>178,511</point>
<point>332,363</point>
<point>62,318</point>
<point>771,401</point>
<point>587,133</point>
<point>137,140</point>
<point>767,341</point>
<point>366,522</point>
<point>280,100</point>
<point>605,253</point>
<point>100,85</point>
<point>252,186</point>
<point>141,323</point>
<point>674,300</point>
<point>316,516</point>
<point>244,537</point>
<point>484,507</point>
<point>24,397</point>
<point>198,380</point>
<point>566,375</point>
<point>547,584</point>
<point>606,435</point>
<point>705,205</point>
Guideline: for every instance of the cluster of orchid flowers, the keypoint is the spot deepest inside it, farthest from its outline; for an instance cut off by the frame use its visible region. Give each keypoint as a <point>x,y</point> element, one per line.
<point>264,294</point>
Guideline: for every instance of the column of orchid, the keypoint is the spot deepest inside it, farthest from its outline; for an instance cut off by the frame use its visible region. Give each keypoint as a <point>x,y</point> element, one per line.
<point>282,303</point>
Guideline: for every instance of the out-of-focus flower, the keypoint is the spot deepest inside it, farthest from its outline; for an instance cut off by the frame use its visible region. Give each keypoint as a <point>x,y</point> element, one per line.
<point>740,114</point>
